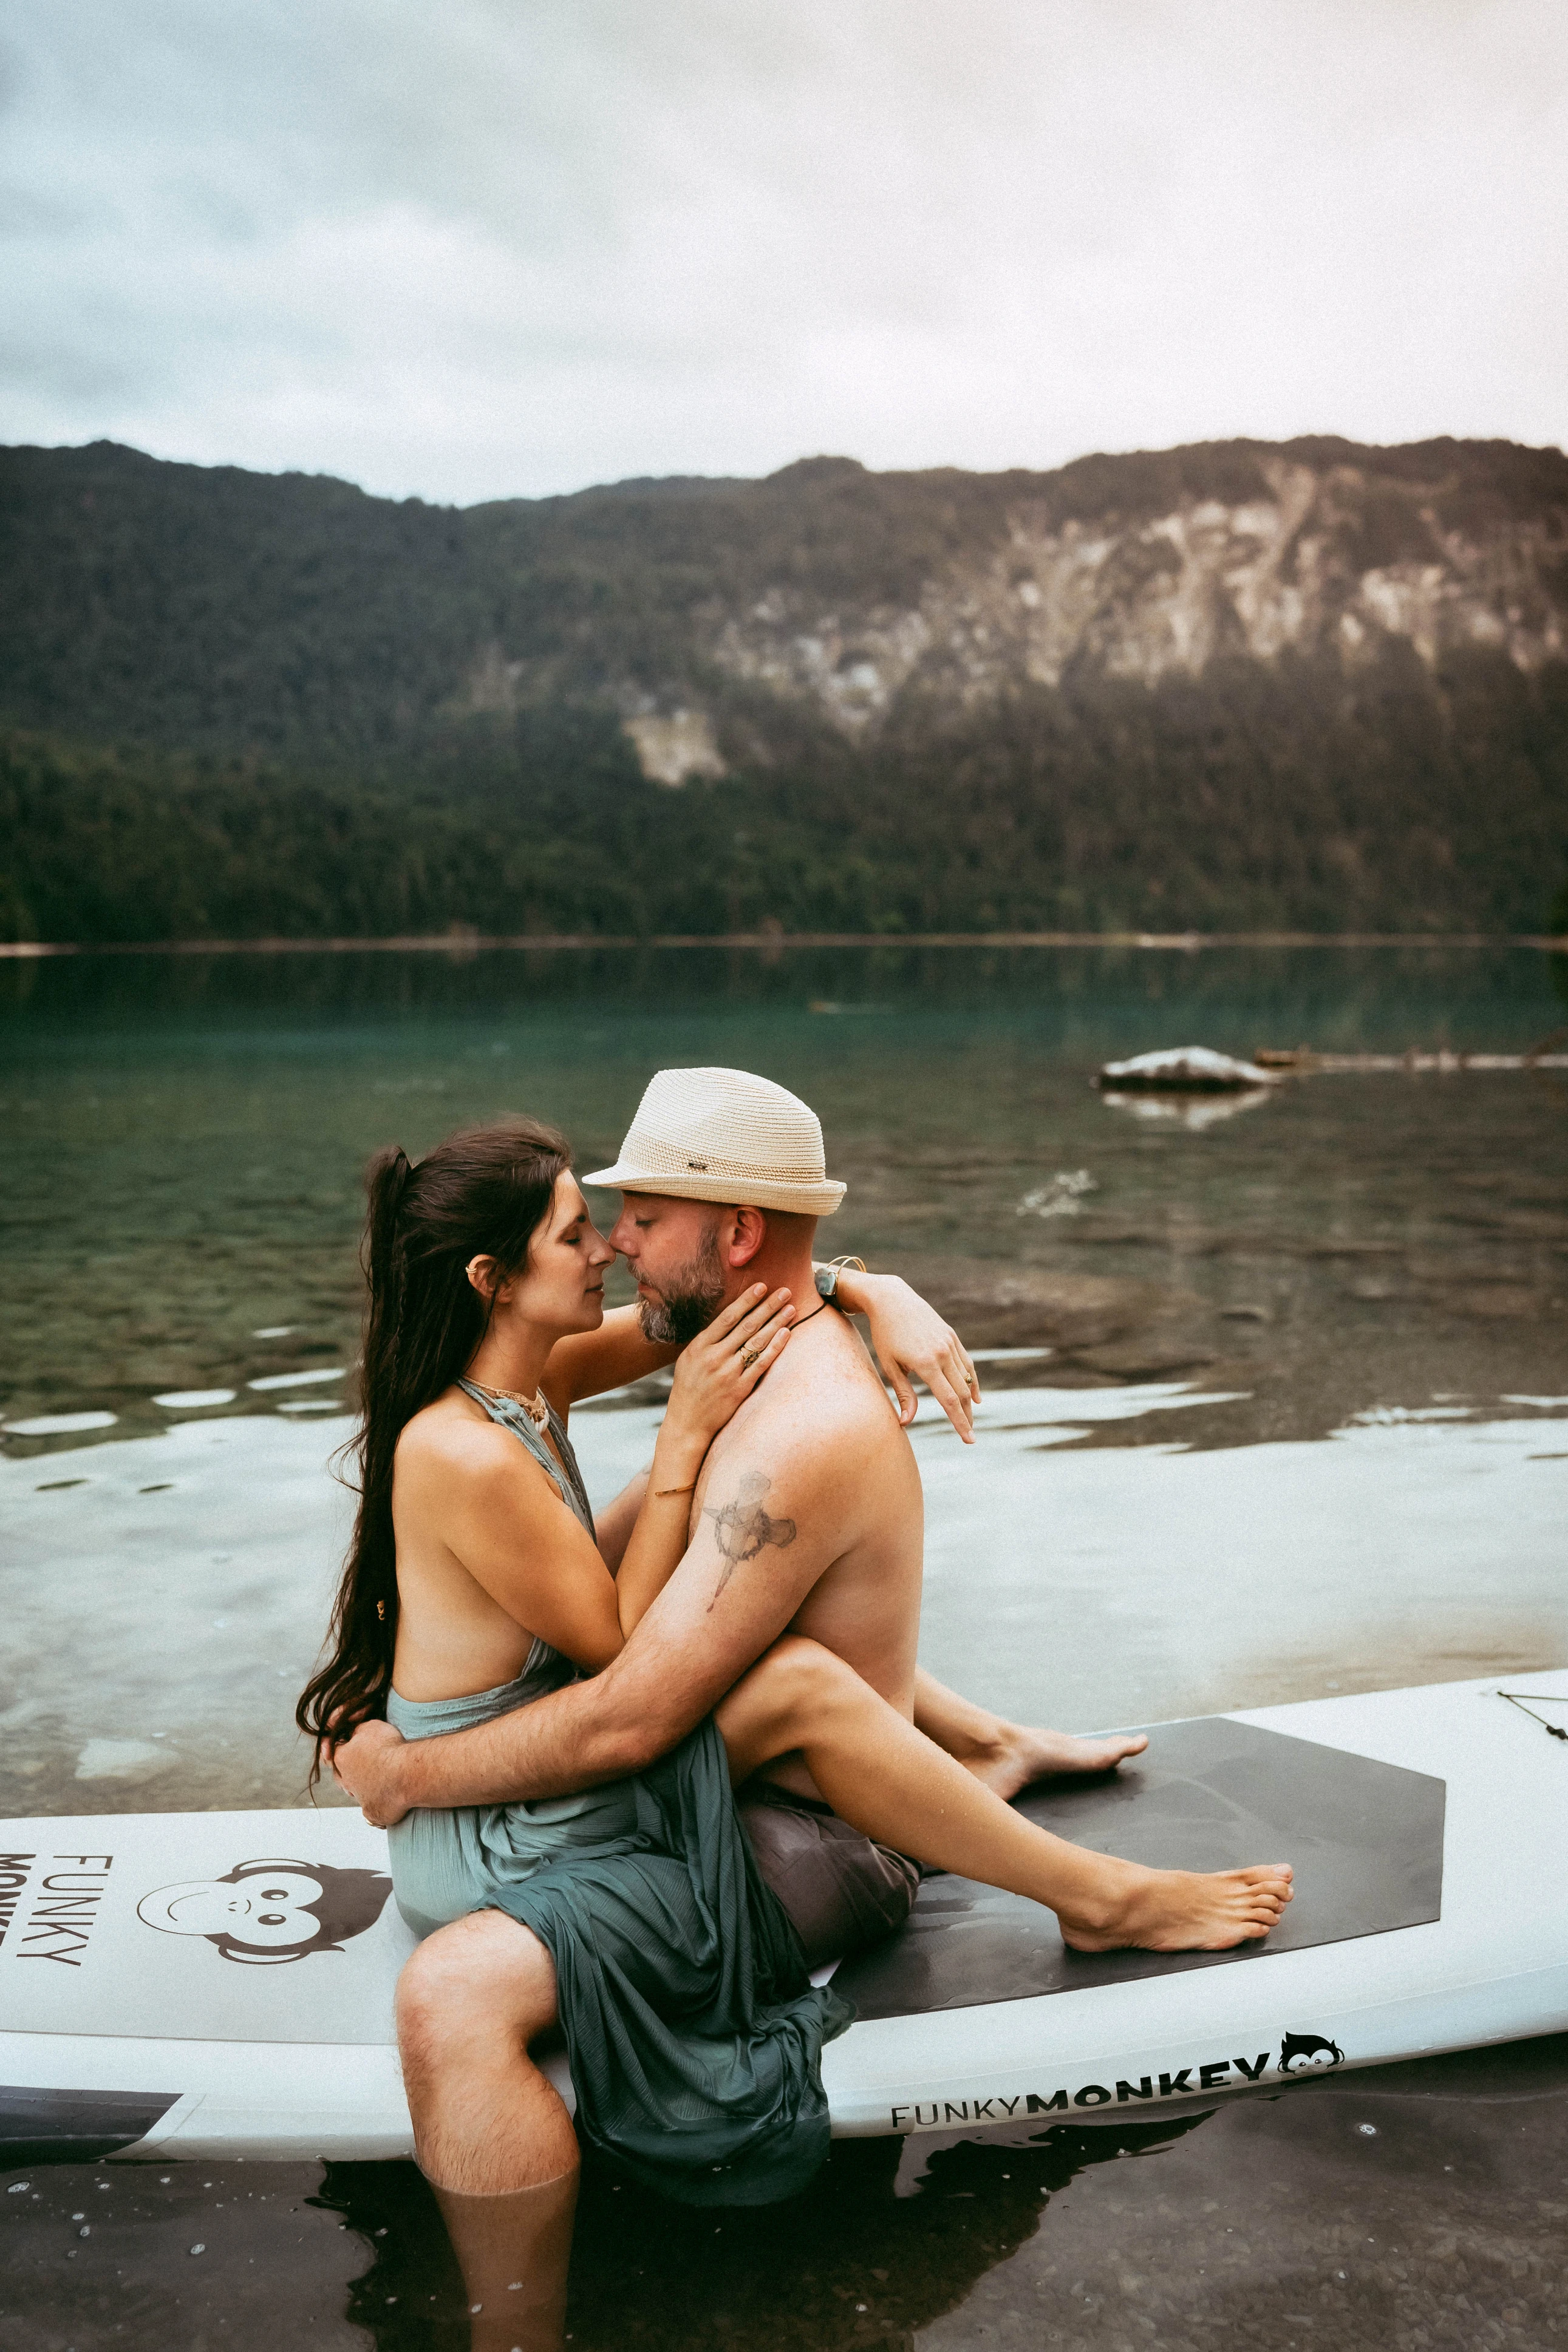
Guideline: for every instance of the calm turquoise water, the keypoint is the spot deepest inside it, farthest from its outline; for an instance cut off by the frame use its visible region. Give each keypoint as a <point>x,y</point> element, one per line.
<point>183,1137</point>
<point>1300,1423</point>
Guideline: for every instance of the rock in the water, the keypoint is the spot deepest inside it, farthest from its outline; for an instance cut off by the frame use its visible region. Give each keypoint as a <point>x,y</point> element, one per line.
<point>1185,1069</point>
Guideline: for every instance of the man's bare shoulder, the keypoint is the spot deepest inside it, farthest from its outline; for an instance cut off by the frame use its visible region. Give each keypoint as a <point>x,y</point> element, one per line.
<point>821,1411</point>
<point>839,1375</point>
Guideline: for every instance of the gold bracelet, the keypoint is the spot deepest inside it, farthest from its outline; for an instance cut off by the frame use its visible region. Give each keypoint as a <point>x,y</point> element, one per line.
<point>825,1278</point>
<point>659,1493</point>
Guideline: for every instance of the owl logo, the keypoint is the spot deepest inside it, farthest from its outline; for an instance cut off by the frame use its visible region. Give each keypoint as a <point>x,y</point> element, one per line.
<point>270,1911</point>
<point>1308,2053</point>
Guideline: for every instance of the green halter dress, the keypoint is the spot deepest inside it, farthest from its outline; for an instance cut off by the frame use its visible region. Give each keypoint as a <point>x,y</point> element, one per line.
<point>693,2031</point>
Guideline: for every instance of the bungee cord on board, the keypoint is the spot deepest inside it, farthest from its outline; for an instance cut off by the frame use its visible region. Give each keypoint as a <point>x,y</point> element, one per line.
<point>1517,1698</point>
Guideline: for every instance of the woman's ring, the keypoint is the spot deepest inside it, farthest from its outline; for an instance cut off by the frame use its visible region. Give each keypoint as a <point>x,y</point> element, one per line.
<point>749,1357</point>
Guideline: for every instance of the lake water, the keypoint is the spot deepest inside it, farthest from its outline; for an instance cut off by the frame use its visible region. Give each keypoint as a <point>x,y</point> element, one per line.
<point>1293,1418</point>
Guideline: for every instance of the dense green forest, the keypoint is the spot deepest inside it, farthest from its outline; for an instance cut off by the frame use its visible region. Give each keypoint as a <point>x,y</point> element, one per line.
<point>1255,798</point>
<point>231,706</point>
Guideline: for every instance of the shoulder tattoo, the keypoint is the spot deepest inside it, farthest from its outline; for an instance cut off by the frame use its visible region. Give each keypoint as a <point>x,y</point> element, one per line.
<point>741,1528</point>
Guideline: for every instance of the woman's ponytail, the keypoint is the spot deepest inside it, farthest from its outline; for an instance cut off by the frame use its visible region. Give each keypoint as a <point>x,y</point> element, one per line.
<point>383,1262</point>
<point>385,1182</point>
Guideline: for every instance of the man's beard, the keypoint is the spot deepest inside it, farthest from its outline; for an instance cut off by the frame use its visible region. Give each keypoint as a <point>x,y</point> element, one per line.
<point>688,1301</point>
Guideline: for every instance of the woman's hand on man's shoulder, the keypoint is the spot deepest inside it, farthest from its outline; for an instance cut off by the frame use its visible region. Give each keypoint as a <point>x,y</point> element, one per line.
<point>719,1370</point>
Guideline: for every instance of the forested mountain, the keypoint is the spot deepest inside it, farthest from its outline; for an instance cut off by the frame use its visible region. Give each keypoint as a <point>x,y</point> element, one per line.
<point>1236,686</point>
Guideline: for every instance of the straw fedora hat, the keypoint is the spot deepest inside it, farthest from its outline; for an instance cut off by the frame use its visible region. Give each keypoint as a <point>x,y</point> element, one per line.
<point>724,1135</point>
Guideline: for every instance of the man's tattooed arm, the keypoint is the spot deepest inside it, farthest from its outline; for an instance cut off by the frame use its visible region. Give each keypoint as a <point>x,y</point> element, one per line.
<point>741,1528</point>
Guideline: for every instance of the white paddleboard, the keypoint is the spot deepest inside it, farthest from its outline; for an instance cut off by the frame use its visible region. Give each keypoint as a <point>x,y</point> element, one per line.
<point>220,1984</point>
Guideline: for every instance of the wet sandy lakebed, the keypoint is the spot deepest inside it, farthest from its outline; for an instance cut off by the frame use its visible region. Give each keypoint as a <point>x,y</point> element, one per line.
<point>1277,1405</point>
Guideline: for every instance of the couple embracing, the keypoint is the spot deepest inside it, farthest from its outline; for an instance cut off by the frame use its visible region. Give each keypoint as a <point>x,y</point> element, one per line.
<point>643,1773</point>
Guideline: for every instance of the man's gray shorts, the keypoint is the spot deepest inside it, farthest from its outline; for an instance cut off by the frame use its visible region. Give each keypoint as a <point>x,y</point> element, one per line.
<point>842,1890</point>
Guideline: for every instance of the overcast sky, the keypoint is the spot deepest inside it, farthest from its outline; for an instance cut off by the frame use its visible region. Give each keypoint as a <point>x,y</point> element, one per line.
<point>485,248</point>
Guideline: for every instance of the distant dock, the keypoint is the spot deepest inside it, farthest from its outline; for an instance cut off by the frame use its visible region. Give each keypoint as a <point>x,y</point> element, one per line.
<point>1301,1062</point>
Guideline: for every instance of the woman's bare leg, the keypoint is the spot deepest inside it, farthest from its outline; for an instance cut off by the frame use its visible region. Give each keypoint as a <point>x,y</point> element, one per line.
<point>1008,1756</point>
<point>888,1781</point>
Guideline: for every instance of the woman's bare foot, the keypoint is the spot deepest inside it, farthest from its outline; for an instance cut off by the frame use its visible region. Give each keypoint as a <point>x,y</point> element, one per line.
<point>1017,1755</point>
<point>1174,1910</point>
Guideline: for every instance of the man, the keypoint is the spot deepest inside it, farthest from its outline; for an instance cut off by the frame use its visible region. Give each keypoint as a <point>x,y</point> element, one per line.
<point>807,1517</point>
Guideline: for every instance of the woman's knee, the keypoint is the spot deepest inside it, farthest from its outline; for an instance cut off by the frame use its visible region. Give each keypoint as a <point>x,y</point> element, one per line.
<point>809,1669</point>
<point>791,1687</point>
<point>482,1973</point>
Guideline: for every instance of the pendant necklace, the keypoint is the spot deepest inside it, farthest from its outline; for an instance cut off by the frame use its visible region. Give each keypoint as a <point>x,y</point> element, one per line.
<point>534,1406</point>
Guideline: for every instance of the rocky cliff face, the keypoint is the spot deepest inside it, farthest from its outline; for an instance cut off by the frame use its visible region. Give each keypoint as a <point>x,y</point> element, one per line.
<point>725,623</point>
<point>1331,555</point>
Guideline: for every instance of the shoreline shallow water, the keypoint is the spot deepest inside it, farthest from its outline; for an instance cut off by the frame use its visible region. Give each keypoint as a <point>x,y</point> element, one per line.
<point>1086,1563</point>
<point>1419,2206</point>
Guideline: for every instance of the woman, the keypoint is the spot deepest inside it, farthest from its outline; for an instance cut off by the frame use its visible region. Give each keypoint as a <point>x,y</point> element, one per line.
<point>474,1584</point>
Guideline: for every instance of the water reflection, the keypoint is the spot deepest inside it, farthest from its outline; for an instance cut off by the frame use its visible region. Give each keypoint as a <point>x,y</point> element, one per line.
<point>889,2238</point>
<point>1189,1110</point>
<point>1248,996</point>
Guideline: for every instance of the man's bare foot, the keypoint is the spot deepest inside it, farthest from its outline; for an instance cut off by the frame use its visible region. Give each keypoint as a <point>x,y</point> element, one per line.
<point>1017,1756</point>
<point>1175,1910</point>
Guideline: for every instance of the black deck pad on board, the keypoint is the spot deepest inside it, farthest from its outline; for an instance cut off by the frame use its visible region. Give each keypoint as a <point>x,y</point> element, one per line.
<point>1365,1841</point>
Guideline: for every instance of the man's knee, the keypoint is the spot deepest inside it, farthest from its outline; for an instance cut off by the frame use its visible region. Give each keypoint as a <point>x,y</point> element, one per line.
<point>484,1974</point>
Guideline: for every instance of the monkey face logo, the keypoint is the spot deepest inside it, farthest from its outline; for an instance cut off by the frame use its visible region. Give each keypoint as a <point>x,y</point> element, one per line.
<point>270,1911</point>
<point>1308,2053</point>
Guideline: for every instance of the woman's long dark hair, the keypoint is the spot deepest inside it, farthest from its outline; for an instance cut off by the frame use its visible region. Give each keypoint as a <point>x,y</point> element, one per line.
<point>483,1193</point>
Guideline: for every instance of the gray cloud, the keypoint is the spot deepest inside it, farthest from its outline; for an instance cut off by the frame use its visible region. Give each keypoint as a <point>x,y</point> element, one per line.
<point>520,244</point>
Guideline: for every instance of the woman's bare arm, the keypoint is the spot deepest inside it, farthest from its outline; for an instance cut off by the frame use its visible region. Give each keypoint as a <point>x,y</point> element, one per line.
<point>503,1523</point>
<point>913,1343</point>
<point>613,1526</point>
<point>713,1381</point>
<point>591,1363</point>
<point>912,1339</point>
